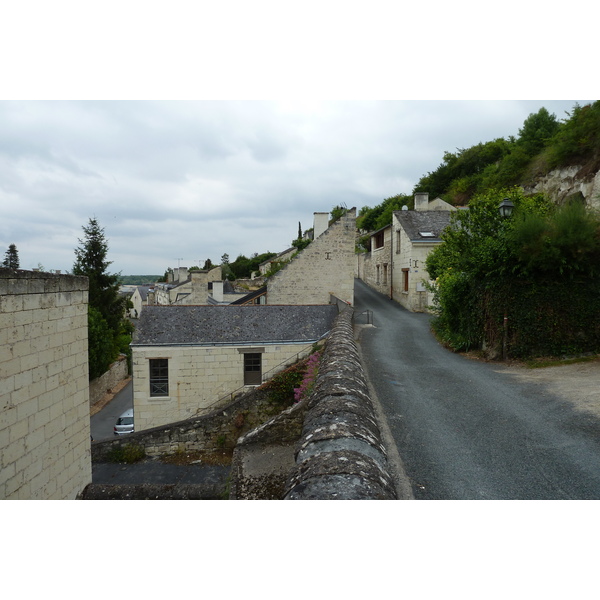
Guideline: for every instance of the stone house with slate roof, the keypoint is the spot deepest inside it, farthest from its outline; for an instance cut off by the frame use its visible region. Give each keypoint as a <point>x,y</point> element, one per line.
<point>395,266</point>
<point>139,299</point>
<point>188,358</point>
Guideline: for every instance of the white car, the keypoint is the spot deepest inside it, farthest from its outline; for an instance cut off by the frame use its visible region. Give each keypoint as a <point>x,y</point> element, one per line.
<point>124,423</point>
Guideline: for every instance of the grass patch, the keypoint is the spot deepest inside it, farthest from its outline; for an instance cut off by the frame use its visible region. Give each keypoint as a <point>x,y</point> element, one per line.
<point>215,458</point>
<point>542,363</point>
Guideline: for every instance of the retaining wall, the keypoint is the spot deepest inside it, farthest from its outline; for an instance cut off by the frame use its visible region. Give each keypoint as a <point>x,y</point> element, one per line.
<point>106,382</point>
<point>219,429</point>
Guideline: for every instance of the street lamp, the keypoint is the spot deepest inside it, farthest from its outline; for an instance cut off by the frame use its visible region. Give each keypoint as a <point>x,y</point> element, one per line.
<point>506,208</point>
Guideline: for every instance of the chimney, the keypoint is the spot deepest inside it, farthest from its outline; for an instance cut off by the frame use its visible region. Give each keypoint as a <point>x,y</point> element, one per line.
<point>321,223</point>
<point>422,201</point>
<point>217,291</point>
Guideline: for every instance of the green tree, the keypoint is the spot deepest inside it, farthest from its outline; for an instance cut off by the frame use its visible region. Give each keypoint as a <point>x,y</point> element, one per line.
<point>540,268</point>
<point>578,138</point>
<point>91,262</point>
<point>101,351</point>
<point>207,265</point>
<point>537,131</point>
<point>371,219</point>
<point>11,257</point>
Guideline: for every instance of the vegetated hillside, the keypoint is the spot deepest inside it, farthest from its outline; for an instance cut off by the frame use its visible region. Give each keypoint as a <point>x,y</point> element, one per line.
<point>138,279</point>
<point>544,143</point>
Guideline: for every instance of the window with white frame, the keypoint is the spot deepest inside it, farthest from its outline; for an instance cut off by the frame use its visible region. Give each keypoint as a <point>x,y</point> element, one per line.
<point>159,377</point>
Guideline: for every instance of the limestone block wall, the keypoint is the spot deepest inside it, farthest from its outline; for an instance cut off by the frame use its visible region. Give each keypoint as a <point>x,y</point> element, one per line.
<point>44,397</point>
<point>324,267</point>
<point>199,376</point>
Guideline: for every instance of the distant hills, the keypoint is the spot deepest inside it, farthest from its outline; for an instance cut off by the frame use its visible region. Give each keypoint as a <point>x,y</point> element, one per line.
<point>138,279</point>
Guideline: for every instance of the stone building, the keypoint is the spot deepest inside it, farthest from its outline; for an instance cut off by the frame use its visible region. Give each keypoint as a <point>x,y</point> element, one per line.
<point>44,398</point>
<point>325,267</point>
<point>395,266</point>
<point>187,359</point>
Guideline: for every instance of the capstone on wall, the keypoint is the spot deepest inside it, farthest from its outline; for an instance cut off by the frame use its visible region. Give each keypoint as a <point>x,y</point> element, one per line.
<point>44,397</point>
<point>324,267</point>
<point>200,377</point>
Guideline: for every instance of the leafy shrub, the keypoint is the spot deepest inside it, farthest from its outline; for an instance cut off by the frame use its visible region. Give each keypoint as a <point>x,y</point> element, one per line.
<point>127,453</point>
<point>541,269</point>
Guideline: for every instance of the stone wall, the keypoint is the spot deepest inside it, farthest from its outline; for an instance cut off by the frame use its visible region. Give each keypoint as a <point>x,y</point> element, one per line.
<point>44,399</point>
<point>324,267</point>
<point>326,447</point>
<point>219,429</point>
<point>117,372</point>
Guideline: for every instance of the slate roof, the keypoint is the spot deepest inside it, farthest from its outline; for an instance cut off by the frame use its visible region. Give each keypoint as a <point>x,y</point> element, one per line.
<point>249,297</point>
<point>219,325</point>
<point>143,291</point>
<point>414,222</point>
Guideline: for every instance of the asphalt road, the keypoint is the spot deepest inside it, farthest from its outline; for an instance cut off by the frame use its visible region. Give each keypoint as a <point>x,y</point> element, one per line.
<point>102,423</point>
<point>466,429</point>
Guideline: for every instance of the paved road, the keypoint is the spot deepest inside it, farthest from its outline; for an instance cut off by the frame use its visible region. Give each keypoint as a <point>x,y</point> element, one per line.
<point>102,423</point>
<point>467,429</point>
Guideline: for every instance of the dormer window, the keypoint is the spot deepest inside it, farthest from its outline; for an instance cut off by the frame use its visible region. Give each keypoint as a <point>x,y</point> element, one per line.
<point>427,234</point>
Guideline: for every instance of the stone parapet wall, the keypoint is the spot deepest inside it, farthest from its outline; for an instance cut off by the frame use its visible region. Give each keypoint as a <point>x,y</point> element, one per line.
<point>326,447</point>
<point>340,454</point>
<point>44,393</point>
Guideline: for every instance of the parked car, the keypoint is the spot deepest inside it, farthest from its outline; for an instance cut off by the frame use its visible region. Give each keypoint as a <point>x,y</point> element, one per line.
<point>124,423</point>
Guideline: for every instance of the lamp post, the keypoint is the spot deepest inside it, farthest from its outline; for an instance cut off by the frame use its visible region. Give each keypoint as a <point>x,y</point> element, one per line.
<point>506,208</point>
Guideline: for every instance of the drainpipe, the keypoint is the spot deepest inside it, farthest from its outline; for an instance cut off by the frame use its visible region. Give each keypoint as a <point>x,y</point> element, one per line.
<point>392,260</point>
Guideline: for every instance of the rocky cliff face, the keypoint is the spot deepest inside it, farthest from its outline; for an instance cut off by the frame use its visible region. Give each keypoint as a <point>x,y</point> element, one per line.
<point>566,182</point>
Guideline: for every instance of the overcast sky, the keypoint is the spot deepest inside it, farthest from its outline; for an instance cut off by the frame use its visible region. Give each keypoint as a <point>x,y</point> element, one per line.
<point>177,182</point>
<point>204,128</point>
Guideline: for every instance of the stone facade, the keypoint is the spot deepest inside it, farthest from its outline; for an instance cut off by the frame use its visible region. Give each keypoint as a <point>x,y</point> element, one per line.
<point>395,266</point>
<point>200,378</point>
<point>44,395</point>
<point>139,299</point>
<point>375,267</point>
<point>324,267</point>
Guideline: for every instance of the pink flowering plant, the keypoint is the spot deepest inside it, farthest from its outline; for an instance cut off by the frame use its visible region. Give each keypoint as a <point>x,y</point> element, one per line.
<point>309,379</point>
